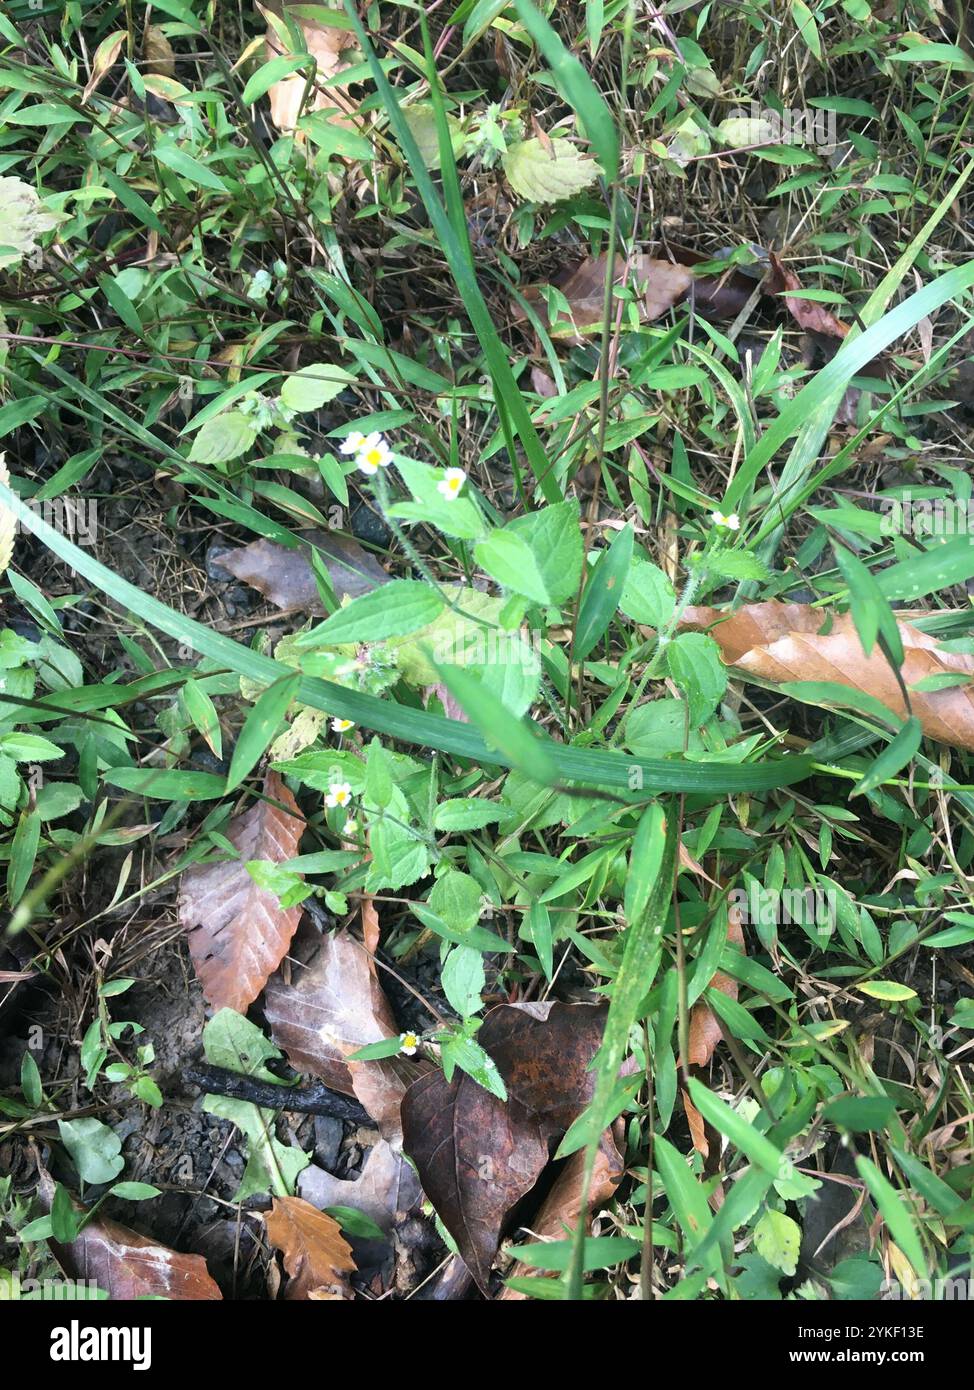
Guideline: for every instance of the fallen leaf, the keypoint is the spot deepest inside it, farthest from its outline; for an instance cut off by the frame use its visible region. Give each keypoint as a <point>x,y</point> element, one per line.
<point>127,1265</point>
<point>387,1190</point>
<point>286,579</point>
<point>562,1207</point>
<point>697,1126</point>
<point>238,933</point>
<point>157,53</point>
<point>316,1254</point>
<point>704,1030</point>
<point>814,317</point>
<point>661,283</point>
<point>326,44</point>
<point>780,642</point>
<point>336,1007</point>
<point>476,1155</point>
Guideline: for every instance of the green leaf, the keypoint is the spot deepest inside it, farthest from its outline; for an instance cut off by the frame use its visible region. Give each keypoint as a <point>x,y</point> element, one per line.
<point>510,560</point>
<point>889,990</point>
<point>555,538</point>
<point>896,1212</point>
<point>274,71</point>
<point>777,1239</point>
<point>260,726</point>
<point>694,662</point>
<point>421,120</point>
<point>465,815</point>
<point>463,980</point>
<point>392,610</point>
<point>603,590</point>
<point>314,386</point>
<point>894,757</point>
<point>548,172</point>
<point>96,1150</point>
<point>182,163</point>
<point>647,596</point>
<point>223,438</point>
<point>166,784</point>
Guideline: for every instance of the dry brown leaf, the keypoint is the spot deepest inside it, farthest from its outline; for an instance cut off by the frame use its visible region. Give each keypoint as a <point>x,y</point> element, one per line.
<point>157,53</point>
<point>387,1190</point>
<point>813,317</point>
<point>478,1156</point>
<point>696,1125</point>
<point>779,642</point>
<point>704,1030</point>
<point>326,44</point>
<point>238,933</point>
<point>335,1007</point>
<point>662,284</point>
<point>286,579</point>
<point>561,1208</point>
<point>316,1254</point>
<point>127,1265</point>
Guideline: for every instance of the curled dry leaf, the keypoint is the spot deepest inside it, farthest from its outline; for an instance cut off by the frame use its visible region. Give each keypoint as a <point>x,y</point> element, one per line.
<point>316,1254</point>
<point>326,44</point>
<point>387,1190</point>
<point>127,1265</point>
<point>781,642</point>
<point>335,1007</point>
<point>286,579</point>
<point>814,317</point>
<point>238,933</point>
<point>561,1208</point>
<point>477,1156</point>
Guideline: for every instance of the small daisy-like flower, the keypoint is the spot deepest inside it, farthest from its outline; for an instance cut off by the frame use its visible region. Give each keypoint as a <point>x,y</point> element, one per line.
<point>339,794</point>
<point>408,1043</point>
<point>353,442</point>
<point>350,827</point>
<point>341,726</point>
<point>373,453</point>
<point>451,483</point>
<point>730,523</point>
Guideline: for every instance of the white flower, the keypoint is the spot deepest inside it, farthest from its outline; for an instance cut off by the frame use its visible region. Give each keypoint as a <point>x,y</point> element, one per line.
<point>352,442</point>
<point>350,827</point>
<point>731,523</point>
<point>451,483</point>
<point>373,453</point>
<point>408,1043</point>
<point>341,726</point>
<point>339,794</point>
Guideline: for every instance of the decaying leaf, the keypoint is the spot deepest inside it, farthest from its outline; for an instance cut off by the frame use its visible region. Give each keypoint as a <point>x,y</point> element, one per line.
<point>387,1190</point>
<point>157,53</point>
<point>563,1205</point>
<point>238,933</point>
<point>421,120</point>
<point>286,579</point>
<point>477,1156</point>
<point>662,284</point>
<point>546,171</point>
<point>316,1254</point>
<point>781,642</point>
<point>127,1265</point>
<point>335,1007</point>
<point>704,1030</point>
<point>816,318</point>
<point>326,44</point>
<point>23,217</point>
